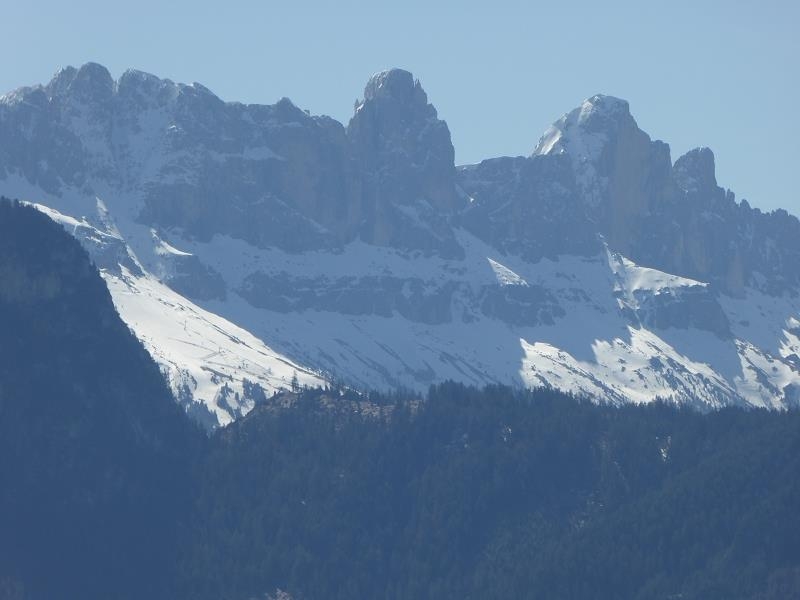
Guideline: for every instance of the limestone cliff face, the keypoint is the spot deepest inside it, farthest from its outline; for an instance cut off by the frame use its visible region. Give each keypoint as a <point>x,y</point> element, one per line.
<point>530,207</point>
<point>702,232</point>
<point>638,180</point>
<point>59,134</point>
<point>406,162</point>
<point>594,174</point>
<point>694,172</point>
<point>621,173</point>
<point>270,175</point>
<point>403,148</point>
<point>277,177</point>
<point>703,249</point>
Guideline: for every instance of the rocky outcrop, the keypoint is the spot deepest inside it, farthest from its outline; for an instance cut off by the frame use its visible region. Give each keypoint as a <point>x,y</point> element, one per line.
<point>193,161</point>
<point>695,172</point>
<point>415,299</point>
<point>694,307</point>
<point>704,233</point>
<point>406,161</point>
<point>594,172</point>
<point>619,171</point>
<point>528,207</point>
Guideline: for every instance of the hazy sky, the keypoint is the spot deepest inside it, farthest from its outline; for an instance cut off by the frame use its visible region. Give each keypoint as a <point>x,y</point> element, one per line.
<point>718,74</point>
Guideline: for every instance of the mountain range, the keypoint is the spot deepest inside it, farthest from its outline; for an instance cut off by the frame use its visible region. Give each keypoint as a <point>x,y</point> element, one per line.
<point>251,247</point>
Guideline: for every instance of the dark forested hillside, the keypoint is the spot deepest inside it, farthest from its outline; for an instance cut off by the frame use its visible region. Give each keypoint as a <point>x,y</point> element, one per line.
<point>500,494</point>
<point>93,449</point>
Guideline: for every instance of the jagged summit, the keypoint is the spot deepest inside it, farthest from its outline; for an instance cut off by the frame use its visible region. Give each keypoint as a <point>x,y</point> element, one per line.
<point>598,118</point>
<point>605,105</point>
<point>135,89</point>
<point>144,89</point>
<point>695,170</point>
<point>61,80</point>
<point>91,80</point>
<point>94,81</point>
<point>395,84</point>
<point>94,74</point>
<point>134,78</point>
<point>392,99</point>
<point>406,155</point>
<point>621,174</point>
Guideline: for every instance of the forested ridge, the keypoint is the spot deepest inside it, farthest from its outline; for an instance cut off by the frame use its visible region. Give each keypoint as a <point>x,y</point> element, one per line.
<point>498,493</point>
<point>108,491</point>
<point>94,451</point>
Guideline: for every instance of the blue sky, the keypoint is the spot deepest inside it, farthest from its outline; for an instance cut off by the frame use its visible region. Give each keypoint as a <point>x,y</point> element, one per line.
<point>718,74</point>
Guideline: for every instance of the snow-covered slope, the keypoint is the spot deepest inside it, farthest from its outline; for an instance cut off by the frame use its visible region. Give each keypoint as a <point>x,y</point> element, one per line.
<point>600,326</point>
<point>208,361</point>
<point>247,245</point>
<point>216,369</point>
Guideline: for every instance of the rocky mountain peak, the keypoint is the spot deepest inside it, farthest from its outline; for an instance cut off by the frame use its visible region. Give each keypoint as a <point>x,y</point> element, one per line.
<point>620,173</point>
<point>94,75</point>
<point>395,105</point>
<point>603,107</point>
<point>407,161</point>
<point>144,88</point>
<point>695,171</point>
<point>287,111</point>
<point>61,80</point>
<point>585,130</point>
<point>396,85</point>
<point>91,82</point>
